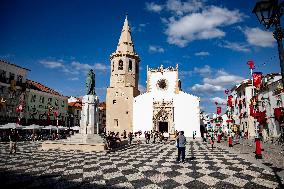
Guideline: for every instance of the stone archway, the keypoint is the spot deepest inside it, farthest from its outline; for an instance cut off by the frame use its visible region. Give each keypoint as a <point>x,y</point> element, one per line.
<point>163,116</point>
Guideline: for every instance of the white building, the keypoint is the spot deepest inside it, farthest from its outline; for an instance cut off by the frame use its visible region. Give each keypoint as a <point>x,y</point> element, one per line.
<point>12,86</point>
<point>165,107</point>
<point>271,96</point>
<point>242,94</point>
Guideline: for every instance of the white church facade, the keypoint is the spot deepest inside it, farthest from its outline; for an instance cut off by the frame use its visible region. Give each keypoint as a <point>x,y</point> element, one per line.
<point>165,107</point>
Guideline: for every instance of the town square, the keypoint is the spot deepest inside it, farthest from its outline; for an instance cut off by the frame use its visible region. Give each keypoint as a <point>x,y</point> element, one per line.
<point>142,94</point>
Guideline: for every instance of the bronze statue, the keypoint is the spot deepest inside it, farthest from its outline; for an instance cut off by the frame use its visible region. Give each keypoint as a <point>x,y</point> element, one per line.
<point>90,83</point>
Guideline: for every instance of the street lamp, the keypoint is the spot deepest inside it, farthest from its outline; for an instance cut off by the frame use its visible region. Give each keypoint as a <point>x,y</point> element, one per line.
<point>269,13</point>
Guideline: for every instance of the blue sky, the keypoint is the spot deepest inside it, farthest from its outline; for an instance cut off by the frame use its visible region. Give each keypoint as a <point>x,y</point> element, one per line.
<point>59,40</point>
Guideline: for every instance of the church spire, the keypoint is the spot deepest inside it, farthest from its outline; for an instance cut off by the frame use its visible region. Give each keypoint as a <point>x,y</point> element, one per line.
<point>125,44</point>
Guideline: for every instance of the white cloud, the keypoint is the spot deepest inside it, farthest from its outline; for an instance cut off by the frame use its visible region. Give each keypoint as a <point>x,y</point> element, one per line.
<point>52,64</point>
<point>73,68</point>
<point>224,80</point>
<point>235,46</point>
<point>202,53</point>
<point>183,74</point>
<point>100,66</point>
<point>204,25</point>
<point>204,71</point>
<point>206,88</point>
<point>217,83</point>
<point>156,49</point>
<point>78,66</point>
<point>258,37</point>
<point>180,8</point>
<point>154,7</point>
<point>218,100</point>
<point>74,79</point>
<point>141,88</point>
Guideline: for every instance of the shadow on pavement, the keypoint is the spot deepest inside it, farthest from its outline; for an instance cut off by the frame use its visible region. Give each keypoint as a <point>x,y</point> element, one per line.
<point>17,180</point>
<point>275,171</point>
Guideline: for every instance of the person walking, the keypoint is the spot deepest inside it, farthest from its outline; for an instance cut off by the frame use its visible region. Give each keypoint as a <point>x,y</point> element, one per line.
<point>181,141</point>
<point>130,136</point>
<point>148,137</point>
<point>13,141</point>
<point>212,142</point>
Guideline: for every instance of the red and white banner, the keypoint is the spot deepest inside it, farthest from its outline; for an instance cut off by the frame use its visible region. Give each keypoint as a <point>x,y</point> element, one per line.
<point>257,77</point>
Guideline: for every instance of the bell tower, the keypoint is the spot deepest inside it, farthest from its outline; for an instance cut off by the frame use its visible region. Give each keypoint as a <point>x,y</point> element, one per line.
<point>123,83</point>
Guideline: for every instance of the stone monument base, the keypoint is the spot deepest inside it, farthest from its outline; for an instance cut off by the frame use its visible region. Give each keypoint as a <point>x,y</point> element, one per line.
<point>81,142</point>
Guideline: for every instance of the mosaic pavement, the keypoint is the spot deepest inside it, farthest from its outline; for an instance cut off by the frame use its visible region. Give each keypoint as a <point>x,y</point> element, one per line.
<point>138,166</point>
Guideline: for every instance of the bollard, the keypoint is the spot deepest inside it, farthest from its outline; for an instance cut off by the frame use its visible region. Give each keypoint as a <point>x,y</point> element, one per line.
<point>230,141</point>
<point>219,138</point>
<point>258,154</point>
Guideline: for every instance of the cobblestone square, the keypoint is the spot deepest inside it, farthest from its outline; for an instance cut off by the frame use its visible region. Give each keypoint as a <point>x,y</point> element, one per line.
<point>137,166</point>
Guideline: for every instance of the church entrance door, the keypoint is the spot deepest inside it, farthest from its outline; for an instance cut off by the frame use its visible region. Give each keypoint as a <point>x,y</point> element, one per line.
<point>163,127</point>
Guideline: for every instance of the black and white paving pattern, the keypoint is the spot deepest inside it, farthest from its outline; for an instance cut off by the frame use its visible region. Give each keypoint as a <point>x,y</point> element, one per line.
<point>137,166</point>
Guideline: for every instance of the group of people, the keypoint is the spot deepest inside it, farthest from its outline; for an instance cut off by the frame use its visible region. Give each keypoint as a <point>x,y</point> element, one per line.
<point>113,139</point>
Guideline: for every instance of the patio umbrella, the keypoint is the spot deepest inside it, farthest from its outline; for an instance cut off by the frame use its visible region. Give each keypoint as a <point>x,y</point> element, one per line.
<point>75,128</point>
<point>33,126</point>
<point>11,126</point>
<point>50,127</point>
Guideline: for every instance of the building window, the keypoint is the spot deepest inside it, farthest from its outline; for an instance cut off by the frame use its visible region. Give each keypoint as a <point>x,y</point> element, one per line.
<point>33,99</point>
<point>130,66</point>
<point>136,67</point>
<point>49,100</point>
<point>78,111</point>
<point>20,79</point>
<point>56,102</point>
<point>112,66</point>
<point>41,99</point>
<point>126,112</point>
<point>116,122</point>
<point>120,65</point>
<point>3,76</point>
<point>62,104</point>
<point>114,102</point>
<point>12,77</point>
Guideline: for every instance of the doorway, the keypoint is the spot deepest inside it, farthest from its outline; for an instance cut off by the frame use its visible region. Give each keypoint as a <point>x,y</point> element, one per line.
<point>163,127</point>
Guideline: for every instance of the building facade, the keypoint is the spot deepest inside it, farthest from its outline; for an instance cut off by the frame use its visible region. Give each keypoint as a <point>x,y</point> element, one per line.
<point>74,111</point>
<point>123,83</point>
<point>44,106</point>
<point>164,107</point>
<point>12,87</point>
<point>240,109</point>
<point>270,98</point>
<point>102,116</point>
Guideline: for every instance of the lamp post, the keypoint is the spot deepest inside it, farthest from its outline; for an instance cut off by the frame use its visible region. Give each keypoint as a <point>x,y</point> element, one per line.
<point>269,13</point>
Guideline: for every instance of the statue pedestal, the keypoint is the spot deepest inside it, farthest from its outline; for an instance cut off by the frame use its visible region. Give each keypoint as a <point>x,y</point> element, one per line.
<point>88,139</point>
<point>89,123</point>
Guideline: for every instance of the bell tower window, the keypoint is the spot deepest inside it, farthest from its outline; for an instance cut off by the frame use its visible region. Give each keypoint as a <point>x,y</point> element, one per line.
<point>130,66</point>
<point>120,65</point>
<point>136,68</point>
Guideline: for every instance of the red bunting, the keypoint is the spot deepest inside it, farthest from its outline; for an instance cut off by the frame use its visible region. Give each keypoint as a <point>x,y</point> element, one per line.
<point>219,110</point>
<point>230,102</point>
<point>279,115</point>
<point>257,77</point>
<point>55,114</point>
<point>251,64</point>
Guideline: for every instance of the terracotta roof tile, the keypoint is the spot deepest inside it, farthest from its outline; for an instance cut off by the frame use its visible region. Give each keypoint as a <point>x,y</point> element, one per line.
<point>40,87</point>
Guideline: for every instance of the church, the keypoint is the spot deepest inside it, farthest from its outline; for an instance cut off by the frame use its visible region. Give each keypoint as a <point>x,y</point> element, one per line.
<point>164,107</point>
